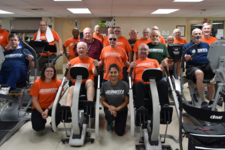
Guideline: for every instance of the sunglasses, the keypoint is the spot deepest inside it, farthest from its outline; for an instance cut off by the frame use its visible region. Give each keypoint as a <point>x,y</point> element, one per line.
<point>114,39</point>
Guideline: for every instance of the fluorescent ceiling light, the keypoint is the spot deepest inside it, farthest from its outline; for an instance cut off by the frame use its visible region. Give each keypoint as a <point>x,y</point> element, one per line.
<point>66,0</point>
<point>217,23</point>
<point>79,10</point>
<point>188,0</point>
<point>5,12</point>
<point>164,11</point>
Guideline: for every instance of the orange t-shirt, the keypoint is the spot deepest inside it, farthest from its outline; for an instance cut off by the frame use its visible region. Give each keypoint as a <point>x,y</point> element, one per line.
<point>43,37</point>
<point>138,43</point>
<point>70,43</point>
<point>123,43</point>
<point>110,56</point>
<point>181,41</point>
<point>4,37</point>
<point>86,62</point>
<point>105,40</point>
<point>141,65</point>
<point>99,37</point>
<point>210,40</point>
<point>45,92</point>
<point>161,40</point>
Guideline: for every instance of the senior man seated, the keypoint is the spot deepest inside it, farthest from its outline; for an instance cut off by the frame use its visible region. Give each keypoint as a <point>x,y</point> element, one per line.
<point>199,67</point>
<point>89,63</point>
<point>141,88</point>
<point>14,68</point>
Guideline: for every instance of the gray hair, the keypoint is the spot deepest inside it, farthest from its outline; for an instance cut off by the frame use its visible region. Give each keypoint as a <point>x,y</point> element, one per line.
<point>155,31</point>
<point>170,37</point>
<point>193,31</point>
<point>144,45</point>
<point>82,43</point>
<point>147,30</point>
<point>133,30</point>
<point>207,24</point>
<point>175,30</point>
<point>113,34</point>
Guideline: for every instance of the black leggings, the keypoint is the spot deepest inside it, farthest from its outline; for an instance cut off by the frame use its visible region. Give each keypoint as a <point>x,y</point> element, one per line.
<point>142,90</point>
<point>38,123</point>
<point>120,121</point>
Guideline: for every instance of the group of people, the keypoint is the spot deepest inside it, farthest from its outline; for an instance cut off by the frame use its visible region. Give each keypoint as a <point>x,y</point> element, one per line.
<point>114,55</point>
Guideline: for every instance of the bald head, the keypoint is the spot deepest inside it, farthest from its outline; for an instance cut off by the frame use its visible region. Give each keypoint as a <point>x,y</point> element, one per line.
<point>43,25</point>
<point>133,34</point>
<point>170,40</point>
<point>97,29</point>
<point>87,32</point>
<point>155,28</point>
<point>110,30</point>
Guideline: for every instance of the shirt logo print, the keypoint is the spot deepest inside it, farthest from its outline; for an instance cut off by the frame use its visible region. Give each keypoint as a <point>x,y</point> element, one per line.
<point>48,91</point>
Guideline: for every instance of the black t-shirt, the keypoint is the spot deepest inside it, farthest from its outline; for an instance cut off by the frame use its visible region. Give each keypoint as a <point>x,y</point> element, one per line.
<point>132,42</point>
<point>115,94</point>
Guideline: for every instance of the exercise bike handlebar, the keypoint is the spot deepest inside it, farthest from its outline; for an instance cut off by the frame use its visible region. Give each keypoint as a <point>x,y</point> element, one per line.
<point>130,72</point>
<point>167,72</point>
<point>54,60</point>
<point>97,68</point>
<point>193,46</point>
<point>25,45</point>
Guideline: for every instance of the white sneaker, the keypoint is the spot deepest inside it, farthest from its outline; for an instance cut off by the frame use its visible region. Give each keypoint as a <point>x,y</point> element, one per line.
<point>4,91</point>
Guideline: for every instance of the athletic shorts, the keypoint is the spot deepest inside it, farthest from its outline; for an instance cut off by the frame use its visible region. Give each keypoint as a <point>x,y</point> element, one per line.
<point>206,69</point>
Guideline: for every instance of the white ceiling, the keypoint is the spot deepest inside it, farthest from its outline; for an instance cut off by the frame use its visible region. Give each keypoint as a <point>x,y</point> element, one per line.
<point>112,8</point>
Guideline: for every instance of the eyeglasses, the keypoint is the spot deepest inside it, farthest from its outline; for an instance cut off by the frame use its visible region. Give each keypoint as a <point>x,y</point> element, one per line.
<point>117,31</point>
<point>87,33</point>
<point>42,24</point>
<point>114,39</point>
<point>143,50</point>
<point>49,71</point>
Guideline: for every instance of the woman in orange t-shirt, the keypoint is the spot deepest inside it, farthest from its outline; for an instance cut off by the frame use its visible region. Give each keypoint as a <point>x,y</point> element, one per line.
<point>43,94</point>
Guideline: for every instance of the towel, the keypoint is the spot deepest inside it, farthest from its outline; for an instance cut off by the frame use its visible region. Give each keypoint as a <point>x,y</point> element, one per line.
<point>48,34</point>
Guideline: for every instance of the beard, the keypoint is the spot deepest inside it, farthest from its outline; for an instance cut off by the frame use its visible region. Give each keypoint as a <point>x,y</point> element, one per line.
<point>198,39</point>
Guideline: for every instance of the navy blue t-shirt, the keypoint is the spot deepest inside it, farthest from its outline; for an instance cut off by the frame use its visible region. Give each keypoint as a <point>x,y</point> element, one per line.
<point>15,57</point>
<point>201,57</point>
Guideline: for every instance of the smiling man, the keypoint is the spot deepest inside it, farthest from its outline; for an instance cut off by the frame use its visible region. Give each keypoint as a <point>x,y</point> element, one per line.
<point>89,63</point>
<point>206,37</point>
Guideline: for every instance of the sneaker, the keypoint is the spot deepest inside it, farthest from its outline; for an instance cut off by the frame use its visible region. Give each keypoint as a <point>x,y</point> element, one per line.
<point>211,102</point>
<point>204,105</point>
<point>4,91</point>
<point>109,128</point>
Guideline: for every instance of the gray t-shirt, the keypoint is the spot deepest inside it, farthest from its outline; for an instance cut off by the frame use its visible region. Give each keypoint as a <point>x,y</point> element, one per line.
<point>115,94</point>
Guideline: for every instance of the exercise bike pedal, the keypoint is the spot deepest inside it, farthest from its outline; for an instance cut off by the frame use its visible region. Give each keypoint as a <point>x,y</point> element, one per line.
<point>89,108</point>
<point>141,140</point>
<point>89,140</point>
<point>65,141</point>
<point>65,114</point>
<point>138,147</point>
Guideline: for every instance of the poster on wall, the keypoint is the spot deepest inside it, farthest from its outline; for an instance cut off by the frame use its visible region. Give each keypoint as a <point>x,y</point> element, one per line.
<point>182,29</point>
<point>165,32</point>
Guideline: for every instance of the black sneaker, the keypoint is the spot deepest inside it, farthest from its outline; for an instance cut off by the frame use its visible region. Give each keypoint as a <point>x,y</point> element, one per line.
<point>204,105</point>
<point>211,102</point>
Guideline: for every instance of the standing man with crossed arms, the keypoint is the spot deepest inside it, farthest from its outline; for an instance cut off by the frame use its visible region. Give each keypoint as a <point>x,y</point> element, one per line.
<point>72,43</point>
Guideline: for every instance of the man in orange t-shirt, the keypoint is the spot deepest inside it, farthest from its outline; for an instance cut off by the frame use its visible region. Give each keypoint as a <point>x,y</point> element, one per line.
<point>178,40</point>
<point>89,63</point>
<point>141,88</point>
<point>44,57</point>
<point>72,43</point>
<point>113,55</point>
<point>110,30</point>
<point>207,29</point>
<point>161,39</point>
<point>122,42</point>
<point>146,39</point>
<point>97,34</point>
<point>4,41</point>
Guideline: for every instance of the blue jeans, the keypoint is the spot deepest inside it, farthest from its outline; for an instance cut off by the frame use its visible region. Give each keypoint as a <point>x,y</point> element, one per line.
<point>17,75</point>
